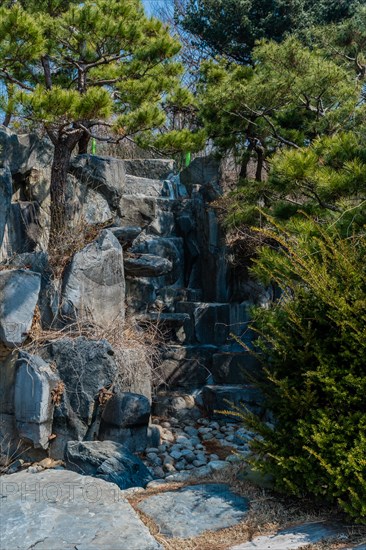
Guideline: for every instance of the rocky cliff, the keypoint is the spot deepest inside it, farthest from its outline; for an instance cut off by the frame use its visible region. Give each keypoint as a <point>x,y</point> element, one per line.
<point>144,254</point>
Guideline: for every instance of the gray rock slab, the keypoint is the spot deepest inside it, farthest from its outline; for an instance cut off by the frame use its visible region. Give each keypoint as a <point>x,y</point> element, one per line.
<point>106,175</point>
<point>62,510</point>
<point>19,290</point>
<point>24,151</point>
<point>107,460</point>
<point>125,235</point>
<point>143,186</point>
<point>146,265</point>
<point>33,404</point>
<point>84,203</point>
<point>149,168</point>
<point>137,210</point>
<point>195,509</point>
<point>201,171</point>
<point>293,538</point>
<point>94,285</point>
<point>168,248</point>
<point>135,439</point>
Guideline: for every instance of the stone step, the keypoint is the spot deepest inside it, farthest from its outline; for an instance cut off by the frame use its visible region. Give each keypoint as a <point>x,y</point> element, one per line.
<point>172,326</point>
<point>214,323</point>
<point>192,366</point>
<point>86,513</point>
<point>186,367</point>
<point>195,509</point>
<point>234,398</point>
<point>234,367</point>
<point>146,265</point>
<point>158,169</point>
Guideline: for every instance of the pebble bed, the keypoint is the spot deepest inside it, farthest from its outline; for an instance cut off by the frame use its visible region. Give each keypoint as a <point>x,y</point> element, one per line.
<point>187,446</point>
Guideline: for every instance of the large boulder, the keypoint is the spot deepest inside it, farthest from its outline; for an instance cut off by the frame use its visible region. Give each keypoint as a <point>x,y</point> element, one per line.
<point>135,439</point>
<point>29,159</point>
<point>125,420</point>
<point>63,510</point>
<point>19,291</point>
<point>137,210</point>
<point>106,175</point>
<point>34,400</point>
<point>88,370</point>
<point>109,461</point>
<point>126,235</point>
<point>126,410</point>
<point>86,367</point>
<point>24,152</point>
<point>94,284</point>
<point>85,205</point>
<point>5,199</point>
<point>24,232</point>
<point>49,296</point>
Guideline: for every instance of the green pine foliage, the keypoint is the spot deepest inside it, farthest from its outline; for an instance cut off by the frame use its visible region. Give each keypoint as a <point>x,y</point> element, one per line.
<point>293,95</point>
<point>312,342</point>
<point>232,27</point>
<point>326,179</point>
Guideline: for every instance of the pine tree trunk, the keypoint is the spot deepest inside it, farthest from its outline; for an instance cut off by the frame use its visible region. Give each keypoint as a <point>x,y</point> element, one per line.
<point>83,144</point>
<point>260,163</point>
<point>60,166</point>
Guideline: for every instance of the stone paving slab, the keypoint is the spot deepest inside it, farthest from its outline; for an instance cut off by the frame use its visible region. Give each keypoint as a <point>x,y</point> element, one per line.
<point>63,510</point>
<point>293,538</point>
<point>195,509</point>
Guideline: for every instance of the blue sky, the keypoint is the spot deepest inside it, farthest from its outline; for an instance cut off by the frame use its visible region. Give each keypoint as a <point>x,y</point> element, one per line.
<point>148,3</point>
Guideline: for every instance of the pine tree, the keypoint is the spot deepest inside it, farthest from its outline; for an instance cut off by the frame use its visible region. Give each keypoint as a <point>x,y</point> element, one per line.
<point>312,345</point>
<point>91,64</point>
<point>291,95</point>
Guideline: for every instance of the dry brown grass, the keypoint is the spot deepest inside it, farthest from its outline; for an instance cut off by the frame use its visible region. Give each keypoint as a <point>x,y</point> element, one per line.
<point>122,334</point>
<point>268,512</point>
